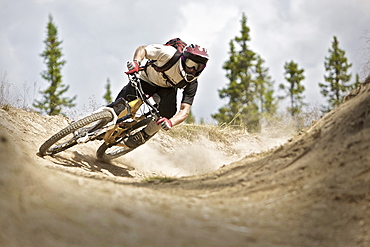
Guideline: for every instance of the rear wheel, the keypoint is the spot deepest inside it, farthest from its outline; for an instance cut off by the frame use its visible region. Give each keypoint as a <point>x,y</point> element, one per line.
<point>68,136</point>
<point>107,152</point>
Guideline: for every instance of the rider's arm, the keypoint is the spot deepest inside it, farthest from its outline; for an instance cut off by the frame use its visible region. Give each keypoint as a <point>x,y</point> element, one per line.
<point>140,53</point>
<point>186,102</point>
<point>181,115</point>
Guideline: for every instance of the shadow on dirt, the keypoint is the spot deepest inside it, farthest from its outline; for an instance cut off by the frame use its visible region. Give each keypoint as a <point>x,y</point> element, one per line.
<point>90,164</point>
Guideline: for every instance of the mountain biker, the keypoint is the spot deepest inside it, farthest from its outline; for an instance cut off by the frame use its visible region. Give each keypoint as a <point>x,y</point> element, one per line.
<point>182,74</point>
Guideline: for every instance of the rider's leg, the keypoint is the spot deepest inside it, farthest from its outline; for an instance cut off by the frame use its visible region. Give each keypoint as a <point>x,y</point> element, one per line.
<point>168,104</point>
<point>142,136</point>
<point>167,108</point>
<point>128,92</point>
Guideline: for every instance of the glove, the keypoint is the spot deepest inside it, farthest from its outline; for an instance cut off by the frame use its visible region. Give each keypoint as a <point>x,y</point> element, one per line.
<point>133,67</point>
<point>165,123</point>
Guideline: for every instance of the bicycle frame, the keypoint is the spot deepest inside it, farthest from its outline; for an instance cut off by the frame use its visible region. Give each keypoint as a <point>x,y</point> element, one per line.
<point>114,135</point>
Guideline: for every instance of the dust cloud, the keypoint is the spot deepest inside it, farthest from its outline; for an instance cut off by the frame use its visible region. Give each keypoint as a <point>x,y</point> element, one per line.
<point>178,157</point>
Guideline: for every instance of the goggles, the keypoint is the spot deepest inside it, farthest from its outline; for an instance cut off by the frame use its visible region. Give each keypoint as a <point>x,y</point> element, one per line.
<point>193,67</point>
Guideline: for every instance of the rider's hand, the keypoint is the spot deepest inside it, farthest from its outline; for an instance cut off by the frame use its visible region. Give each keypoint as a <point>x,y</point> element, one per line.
<point>133,67</point>
<point>165,123</point>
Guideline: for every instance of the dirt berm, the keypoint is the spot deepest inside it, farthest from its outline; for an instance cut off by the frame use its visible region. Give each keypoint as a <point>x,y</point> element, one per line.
<point>313,190</point>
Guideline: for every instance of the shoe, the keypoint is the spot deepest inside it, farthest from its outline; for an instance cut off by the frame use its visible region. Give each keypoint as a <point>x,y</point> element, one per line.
<point>118,105</point>
<point>136,139</point>
<point>118,108</point>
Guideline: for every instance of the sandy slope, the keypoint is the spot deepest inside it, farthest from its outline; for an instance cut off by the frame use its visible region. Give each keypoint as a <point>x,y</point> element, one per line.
<point>312,191</point>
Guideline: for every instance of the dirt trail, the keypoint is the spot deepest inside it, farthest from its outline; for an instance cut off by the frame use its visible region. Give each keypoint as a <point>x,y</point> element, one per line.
<point>312,191</point>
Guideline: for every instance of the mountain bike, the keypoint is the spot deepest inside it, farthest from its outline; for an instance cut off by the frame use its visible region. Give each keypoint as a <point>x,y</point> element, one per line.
<point>105,125</point>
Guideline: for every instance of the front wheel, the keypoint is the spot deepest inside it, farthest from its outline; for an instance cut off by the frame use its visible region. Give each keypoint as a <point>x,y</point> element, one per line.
<point>68,136</point>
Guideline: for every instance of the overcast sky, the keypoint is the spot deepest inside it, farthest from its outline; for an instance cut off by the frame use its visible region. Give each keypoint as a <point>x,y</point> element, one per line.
<point>99,36</point>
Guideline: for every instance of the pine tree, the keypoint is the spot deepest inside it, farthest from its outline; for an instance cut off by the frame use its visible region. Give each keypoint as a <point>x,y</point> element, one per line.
<point>108,94</point>
<point>337,80</point>
<point>250,88</point>
<point>53,101</point>
<point>242,109</point>
<point>264,89</point>
<point>294,89</point>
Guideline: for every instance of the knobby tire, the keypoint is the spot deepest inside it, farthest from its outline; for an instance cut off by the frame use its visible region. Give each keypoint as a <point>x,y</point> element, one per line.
<point>47,147</point>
